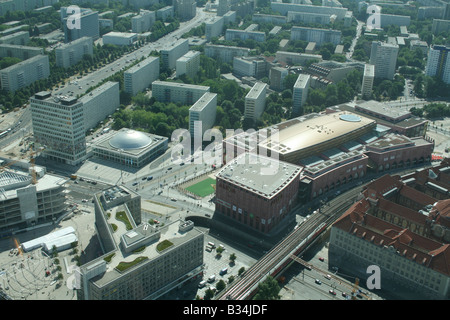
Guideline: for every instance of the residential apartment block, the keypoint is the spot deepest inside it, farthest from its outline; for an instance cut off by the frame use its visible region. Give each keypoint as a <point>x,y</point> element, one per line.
<point>188,64</point>
<point>384,57</point>
<point>225,53</point>
<point>319,36</point>
<point>186,94</point>
<point>25,73</point>
<point>170,55</point>
<point>367,82</point>
<point>243,35</point>
<point>100,103</point>
<point>71,53</point>
<point>143,21</point>
<point>141,75</point>
<point>438,63</point>
<point>300,93</point>
<point>202,115</point>
<point>255,101</point>
<point>18,51</point>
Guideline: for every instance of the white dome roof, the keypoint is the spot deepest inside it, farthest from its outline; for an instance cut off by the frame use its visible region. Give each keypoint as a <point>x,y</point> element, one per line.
<point>129,140</point>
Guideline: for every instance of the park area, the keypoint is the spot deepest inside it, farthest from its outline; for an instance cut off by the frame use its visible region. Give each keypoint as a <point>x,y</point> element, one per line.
<point>203,188</point>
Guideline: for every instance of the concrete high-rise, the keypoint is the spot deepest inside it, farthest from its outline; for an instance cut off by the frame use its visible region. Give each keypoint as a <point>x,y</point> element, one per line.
<point>384,57</point>
<point>140,76</point>
<point>300,93</point>
<point>367,82</point>
<point>58,126</point>
<point>255,101</point>
<point>188,64</point>
<point>170,55</point>
<point>203,113</point>
<point>88,25</point>
<point>71,53</point>
<point>25,73</point>
<point>438,63</point>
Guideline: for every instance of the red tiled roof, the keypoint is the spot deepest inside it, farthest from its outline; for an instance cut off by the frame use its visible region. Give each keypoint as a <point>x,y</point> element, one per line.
<point>412,246</point>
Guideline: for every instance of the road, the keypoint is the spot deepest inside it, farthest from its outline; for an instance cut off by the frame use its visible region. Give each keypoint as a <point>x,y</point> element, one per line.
<point>79,86</point>
<point>355,40</point>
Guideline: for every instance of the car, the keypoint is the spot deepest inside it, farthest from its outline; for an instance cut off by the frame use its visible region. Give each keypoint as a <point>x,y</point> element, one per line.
<point>332,292</point>
<point>344,294</point>
<point>170,168</point>
<point>135,184</point>
<point>173,199</point>
<point>318,281</point>
<point>321,259</point>
<point>149,178</point>
<point>144,178</point>
<point>328,277</point>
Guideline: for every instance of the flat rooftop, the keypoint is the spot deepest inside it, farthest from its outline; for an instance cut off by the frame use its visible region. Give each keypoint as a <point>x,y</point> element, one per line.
<point>172,232</point>
<point>262,175</point>
<point>203,101</point>
<point>256,90</point>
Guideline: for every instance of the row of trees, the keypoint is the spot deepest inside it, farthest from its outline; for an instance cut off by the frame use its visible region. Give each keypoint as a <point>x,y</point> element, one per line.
<point>432,111</point>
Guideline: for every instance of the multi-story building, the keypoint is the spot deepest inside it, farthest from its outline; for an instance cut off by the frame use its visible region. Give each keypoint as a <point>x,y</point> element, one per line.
<point>143,21</point>
<point>255,101</point>
<point>269,18</point>
<point>300,93</point>
<point>401,228</point>
<point>165,13</point>
<point>225,53</point>
<point>185,9</point>
<point>186,94</point>
<point>188,64</point>
<point>276,78</point>
<point>392,19</point>
<point>71,53</point>
<point>20,38</point>
<point>294,58</point>
<point>384,57</point>
<point>25,73</point>
<point>319,36</point>
<point>440,26</point>
<point>214,27</point>
<point>284,8</point>
<point>167,257</point>
<point>202,115</point>
<point>305,17</point>
<point>28,201</point>
<point>223,7</point>
<point>100,103</point>
<point>419,44</point>
<point>140,76</point>
<point>21,52</point>
<point>120,38</point>
<point>88,25</point>
<point>22,5</point>
<point>257,192</point>
<point>438,63</point>
<point>256,67</point>
<point>243,35</point>
<point>170,55</point>
<point>367,82</point>
<point>58,126</point>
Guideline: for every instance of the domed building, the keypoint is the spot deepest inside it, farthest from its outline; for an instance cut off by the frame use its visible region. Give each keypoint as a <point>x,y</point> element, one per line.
<point>130,147</point>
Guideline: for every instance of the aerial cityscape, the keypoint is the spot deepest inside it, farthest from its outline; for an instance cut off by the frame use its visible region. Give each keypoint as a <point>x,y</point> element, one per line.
<point>224,150</point>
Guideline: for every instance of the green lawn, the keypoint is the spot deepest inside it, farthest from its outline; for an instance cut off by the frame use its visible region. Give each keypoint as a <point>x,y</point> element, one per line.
<point>203,188</point>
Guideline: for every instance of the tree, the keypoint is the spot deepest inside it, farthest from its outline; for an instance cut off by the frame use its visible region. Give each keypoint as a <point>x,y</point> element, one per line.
<point>268,290</point>
<point>220,285</point>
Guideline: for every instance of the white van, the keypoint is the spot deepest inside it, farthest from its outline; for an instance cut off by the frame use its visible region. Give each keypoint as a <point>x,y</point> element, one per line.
<point>211,244</point>
<point>212,278</point>
<point>202,284</point>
